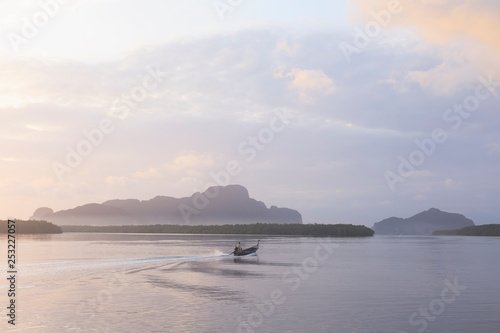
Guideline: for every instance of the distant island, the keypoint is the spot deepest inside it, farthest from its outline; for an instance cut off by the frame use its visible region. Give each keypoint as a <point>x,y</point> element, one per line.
<point>324,230</point>
<point>32,227</point>
<point>424,223</point>
<point>217,205</point>
<point>478,230</point>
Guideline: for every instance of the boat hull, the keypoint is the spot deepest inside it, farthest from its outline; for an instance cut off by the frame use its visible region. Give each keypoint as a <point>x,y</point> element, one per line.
<point>245,253</point>
<point>250,251</point>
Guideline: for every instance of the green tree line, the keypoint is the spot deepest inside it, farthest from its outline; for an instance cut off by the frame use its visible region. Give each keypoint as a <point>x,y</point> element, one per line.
<point>477,230</point>
<point>325,230</point>
<point>31,227</point>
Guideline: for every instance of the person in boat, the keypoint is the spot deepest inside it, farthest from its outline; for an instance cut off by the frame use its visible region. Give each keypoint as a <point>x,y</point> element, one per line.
<point>237,249</point>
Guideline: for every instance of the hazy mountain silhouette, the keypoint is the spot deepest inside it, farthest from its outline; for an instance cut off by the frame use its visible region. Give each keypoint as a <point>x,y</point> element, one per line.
<point>424,223</point>
<point>217,205</point>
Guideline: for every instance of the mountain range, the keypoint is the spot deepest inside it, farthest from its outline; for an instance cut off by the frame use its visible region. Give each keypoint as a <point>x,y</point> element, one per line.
<point>424,223</point>
<point>217,205</point>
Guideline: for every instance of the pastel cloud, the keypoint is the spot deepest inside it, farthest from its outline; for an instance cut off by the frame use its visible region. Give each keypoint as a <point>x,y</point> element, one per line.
<point>117,180</point>
<point>309,83</point>
<point>189,160</point>
<point>311,80</point>
<point>290,50</point>
<point>464,33</point>
<point>151,173</point>
<point>442,21</point>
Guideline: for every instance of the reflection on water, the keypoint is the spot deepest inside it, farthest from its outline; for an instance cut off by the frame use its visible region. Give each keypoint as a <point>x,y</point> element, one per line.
<point>35,237</point>
<point>247,259</point>
<point>216,293</point>
<point>187,283</point>
<point>214,269</point>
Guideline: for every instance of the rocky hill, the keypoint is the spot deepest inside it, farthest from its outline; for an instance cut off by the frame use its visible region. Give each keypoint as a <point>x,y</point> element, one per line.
<point>217,205</point>
<point>424,223</point>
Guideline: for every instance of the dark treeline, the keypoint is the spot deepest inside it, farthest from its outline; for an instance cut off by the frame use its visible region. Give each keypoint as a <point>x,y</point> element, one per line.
<point>477,230</point>
<point>326,230</point>
<point>31,227</point>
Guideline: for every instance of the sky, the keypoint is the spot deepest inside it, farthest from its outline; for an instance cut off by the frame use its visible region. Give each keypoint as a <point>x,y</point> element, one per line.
<point>348,111</point>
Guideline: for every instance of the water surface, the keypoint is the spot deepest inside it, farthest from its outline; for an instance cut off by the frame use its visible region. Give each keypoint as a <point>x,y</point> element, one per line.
<point>90,282</point>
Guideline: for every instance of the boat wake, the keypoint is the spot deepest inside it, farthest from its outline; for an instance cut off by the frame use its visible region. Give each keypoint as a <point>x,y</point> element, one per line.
<point>40,270</point>
<point>57,267</point>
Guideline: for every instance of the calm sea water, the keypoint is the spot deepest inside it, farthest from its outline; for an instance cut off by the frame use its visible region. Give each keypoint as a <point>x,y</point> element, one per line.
<point>86,282</point>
